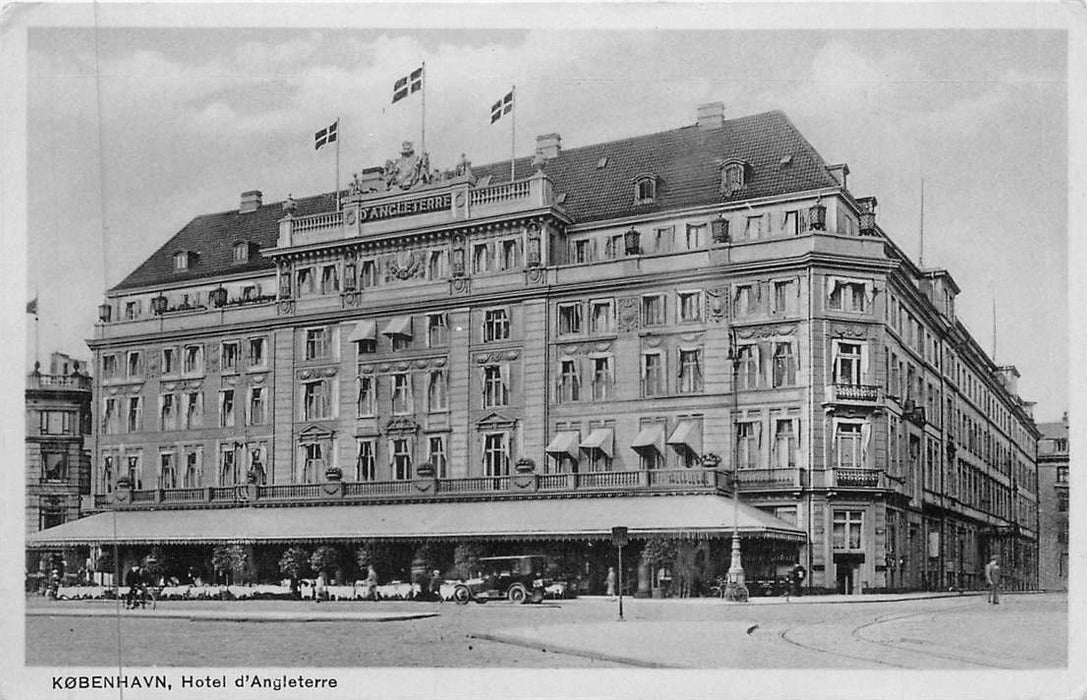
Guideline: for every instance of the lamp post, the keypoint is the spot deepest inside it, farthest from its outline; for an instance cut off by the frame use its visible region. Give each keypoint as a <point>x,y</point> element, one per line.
<point>735,587</point>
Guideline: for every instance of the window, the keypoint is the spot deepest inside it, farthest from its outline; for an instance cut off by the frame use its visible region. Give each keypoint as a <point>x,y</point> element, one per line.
<point>437,332</point>
<point>400,454</point>
<point>193,359</point>
<point>582,251</point>
<point>167,412</point>
<point>653,383</point>
<point>169,361</point>
<point>663,238</point>
<point>436,391</point>
<point>241,252</point>
<point>257,460</point>
<point>317,345</point>
<point>496,325</point>
<point>849,439</point>
<point>313,461</point>
<point>256,405</point>
<point>785,443</point>
<point>400,342</point>
<point>306,283</point>
<point>601,317</point>
<point>690,371</point>
<point>135,414</point>
<point>194,409</point>
<point>784,297</point>
<point>191,477</point>
<point>135,365</point>
<point>569,381</point>
<point>436,448</point>
<point>134,473</point>
<point>109,416</point>
<point>55,422</point>
<point>366,462</point>
<point>753,228</point>
<point>511,254</point>
<point>1062,501</point>
<point>257,355</point>
<point>748,375</point>
<point>690,306</point>
<point>54,466</point>
<point>366,396</point>
<point>367,346</point>
<point>569,319</point>
<point>747,444</point>
<point>847,363</point>
<point>645,190</point>
<point>109,366</point>
<point>784,365</point>
<point>437,267</point>
<point>733,177</point>
<point>368,276</point>
<point>401,393</point>
<point>330,279</point>
<point>316,404</point>
<point>848,296</point>
<point>696,236</point>
<point>107,473</point>
<point>496,455</point>
<point>495,386</point>
<point>602,378</point>
<point>846,532</point>
<point>614,247</point>
<point>229,360</point>
<point>132,310</point>
<point>653,310</point>
<point>181,260</point>
<point>746,300</point>
<point>481,258</point>
<point>226,408</point>
<point>794,223</point>
<point>167,470</point>
<point>1062,475</point>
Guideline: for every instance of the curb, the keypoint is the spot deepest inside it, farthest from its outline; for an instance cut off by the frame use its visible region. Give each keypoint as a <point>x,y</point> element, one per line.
<point>213,616</point>
<point>569,651</point>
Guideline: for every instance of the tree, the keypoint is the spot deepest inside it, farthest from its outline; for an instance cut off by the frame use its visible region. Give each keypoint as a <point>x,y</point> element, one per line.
<point>156,563</point>
<point>231,559</point>
<point>659,552</point>
<point>466,559</point>
<point>373,554</point>
<point>293,563</point>
<point>324,559</point>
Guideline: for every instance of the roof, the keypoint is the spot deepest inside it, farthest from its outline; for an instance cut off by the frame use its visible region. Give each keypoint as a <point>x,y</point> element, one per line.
<point>1052,431</point>
<point>693,516</point>
<point>686,162</point>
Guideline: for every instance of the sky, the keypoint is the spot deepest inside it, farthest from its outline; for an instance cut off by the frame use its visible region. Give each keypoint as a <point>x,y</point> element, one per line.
<point>133,132</point>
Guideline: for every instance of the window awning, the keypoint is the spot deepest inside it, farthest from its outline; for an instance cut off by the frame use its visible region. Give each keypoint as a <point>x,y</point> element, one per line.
<point>602,439</point>
<point>364,330</point>
<point>651,437</point>
<point>694,516</point>
<point>565,444</point>
<point>401,325</point>
<point>688,434</point>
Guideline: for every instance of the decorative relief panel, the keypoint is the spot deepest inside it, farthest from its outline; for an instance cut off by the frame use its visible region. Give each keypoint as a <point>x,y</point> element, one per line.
<point>400,425</point>
<point>493,357</point>
<point>765,331</point>
<point>460,286</point>
<point>317,373</point>
<point>849,330</point>
<point>404,265</point>
<point>628,314</point>
<point>717,304</point>
<point>535,275</point>
<point>285,308</point>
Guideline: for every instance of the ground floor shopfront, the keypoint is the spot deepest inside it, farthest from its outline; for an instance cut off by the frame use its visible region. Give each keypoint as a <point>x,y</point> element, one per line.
<point>678,545</point>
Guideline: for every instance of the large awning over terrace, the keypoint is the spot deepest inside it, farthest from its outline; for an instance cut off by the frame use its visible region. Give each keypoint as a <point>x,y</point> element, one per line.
<point>689,516</point>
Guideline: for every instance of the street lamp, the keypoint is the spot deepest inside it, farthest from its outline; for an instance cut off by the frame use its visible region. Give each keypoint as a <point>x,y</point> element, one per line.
<point>735,587</point>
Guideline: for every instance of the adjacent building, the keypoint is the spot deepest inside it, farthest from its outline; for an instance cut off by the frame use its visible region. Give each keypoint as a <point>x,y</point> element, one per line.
<point>615,334</point>
<point>1053,505</point>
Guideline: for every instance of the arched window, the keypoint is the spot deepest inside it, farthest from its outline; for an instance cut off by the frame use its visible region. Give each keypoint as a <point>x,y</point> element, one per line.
<point>645,189</point>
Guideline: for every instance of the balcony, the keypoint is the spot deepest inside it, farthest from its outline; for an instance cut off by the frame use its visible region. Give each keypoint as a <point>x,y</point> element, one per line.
<point>58,382</point>
<point>848,477</point>
<point>853,395</point>
<point>661,481</point>
<point>770,479</point>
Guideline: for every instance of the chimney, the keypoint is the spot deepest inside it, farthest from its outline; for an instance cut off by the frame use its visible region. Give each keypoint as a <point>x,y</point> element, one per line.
<point>548,146</point>
<point>711,115</point>
<point>372,180</point>
<point>251,201</point>
<point>1008,375</point>
<point>839,171</point>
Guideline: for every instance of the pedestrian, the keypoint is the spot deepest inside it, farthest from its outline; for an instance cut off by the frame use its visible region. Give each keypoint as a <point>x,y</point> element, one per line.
<point>992,579</point>
<point>610,582</point>
<point>319,587</point>
<point>436,585</point>
<point>134,581</point>
<point>799,574</point>
<point>371,583</point>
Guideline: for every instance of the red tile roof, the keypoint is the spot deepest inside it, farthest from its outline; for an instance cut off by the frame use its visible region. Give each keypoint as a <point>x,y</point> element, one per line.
<point>685,161</point>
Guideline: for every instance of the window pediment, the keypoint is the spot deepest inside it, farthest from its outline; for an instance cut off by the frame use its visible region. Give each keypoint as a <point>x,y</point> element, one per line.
<point>314,433</point>
<point>400,425</point>
<point>496,421</point>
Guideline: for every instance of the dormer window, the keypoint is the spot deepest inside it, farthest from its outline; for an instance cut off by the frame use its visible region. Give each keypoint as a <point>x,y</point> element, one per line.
<point>243,250</point>
<point>184,260</point>
<point>645,189</point>
<point>734,176</point>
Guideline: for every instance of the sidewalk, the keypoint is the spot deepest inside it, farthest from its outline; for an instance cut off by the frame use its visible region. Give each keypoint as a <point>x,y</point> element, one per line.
<point>239,614</point>
<point>811,599</point>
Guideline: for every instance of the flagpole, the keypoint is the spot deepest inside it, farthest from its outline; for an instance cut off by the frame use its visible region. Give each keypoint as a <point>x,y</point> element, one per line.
<point>921,253</point>
<point>513,130</point>
<point>422,140</point>
<point>337,162</point>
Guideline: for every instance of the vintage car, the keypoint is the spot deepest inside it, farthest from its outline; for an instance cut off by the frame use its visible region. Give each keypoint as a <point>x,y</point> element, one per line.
<point>518,579</point>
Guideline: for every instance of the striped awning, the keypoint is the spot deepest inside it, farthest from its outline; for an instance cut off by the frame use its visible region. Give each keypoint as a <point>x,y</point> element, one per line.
<point>565,444</point>
<point>688,434</point>
<point>705,516</point>
<point>602,439</point>
<point>401,325</point>
<point>651,436</point>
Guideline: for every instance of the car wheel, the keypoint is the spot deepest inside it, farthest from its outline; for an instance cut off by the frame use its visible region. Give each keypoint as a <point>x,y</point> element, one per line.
<point>517,593</point>
<point>461,595</point>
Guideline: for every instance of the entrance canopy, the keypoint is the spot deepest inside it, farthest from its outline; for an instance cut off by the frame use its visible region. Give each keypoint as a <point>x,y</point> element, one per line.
<point>695,516</point>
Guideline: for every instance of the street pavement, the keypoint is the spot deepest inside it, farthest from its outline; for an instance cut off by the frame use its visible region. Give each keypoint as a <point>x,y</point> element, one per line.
<point>913,631</point>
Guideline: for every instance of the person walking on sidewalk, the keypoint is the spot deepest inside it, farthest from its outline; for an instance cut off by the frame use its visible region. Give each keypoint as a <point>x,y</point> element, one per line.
<point>610,581</point>
<point>992,579</point>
